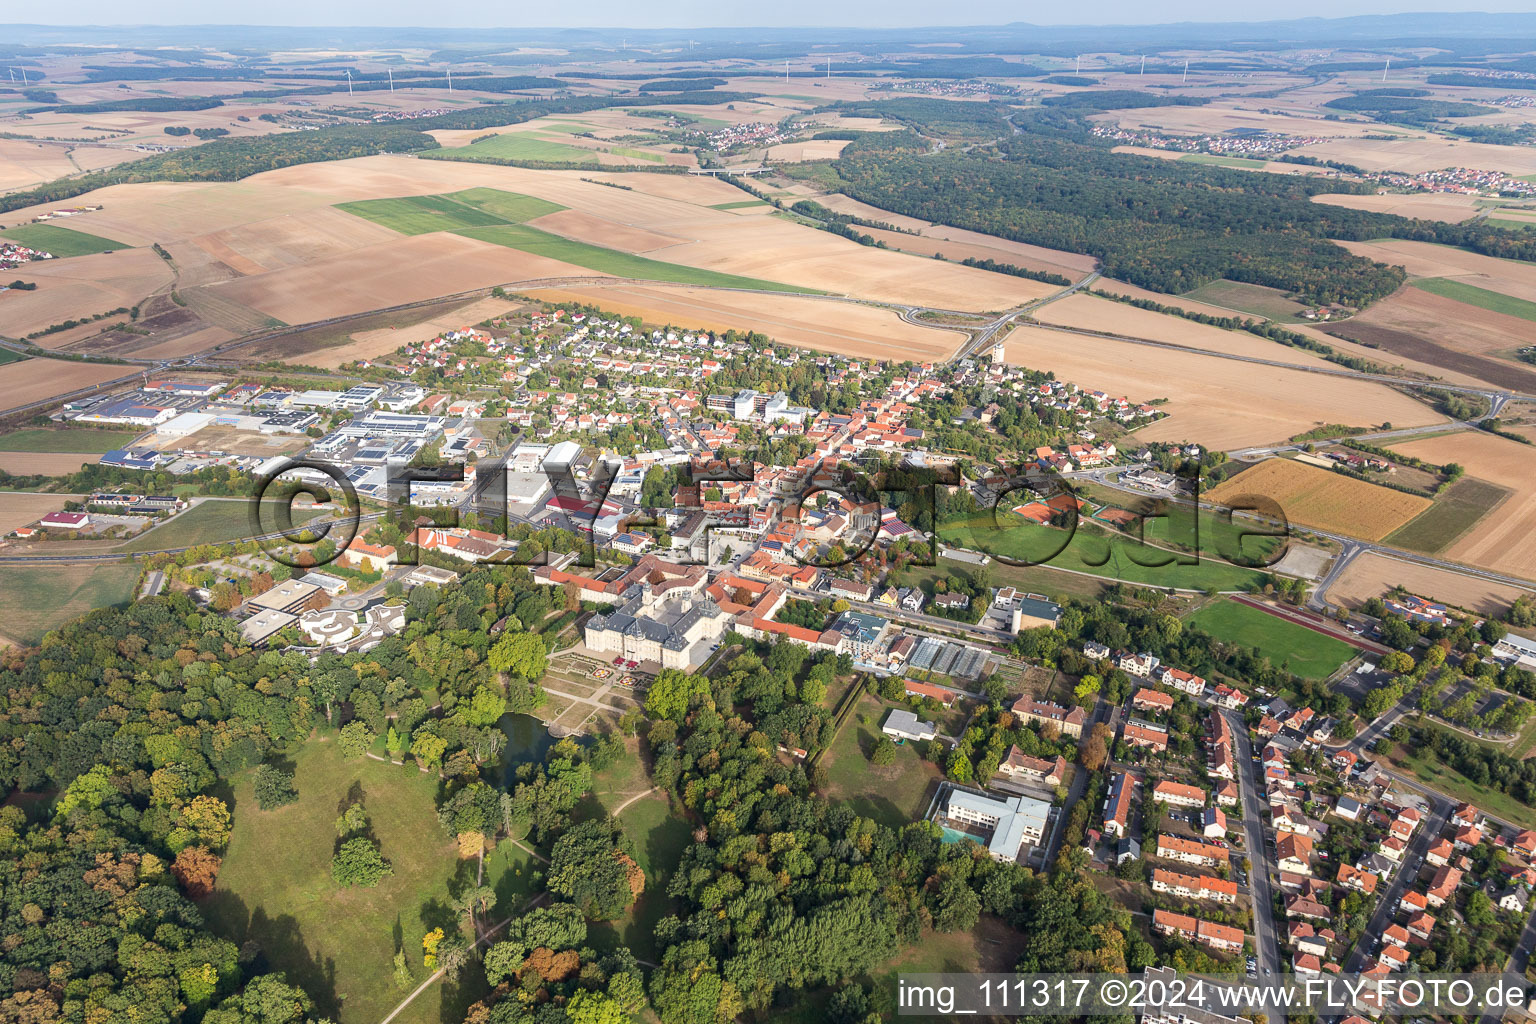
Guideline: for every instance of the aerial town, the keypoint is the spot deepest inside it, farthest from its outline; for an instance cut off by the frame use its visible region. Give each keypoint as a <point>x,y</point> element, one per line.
<point>717,526</point>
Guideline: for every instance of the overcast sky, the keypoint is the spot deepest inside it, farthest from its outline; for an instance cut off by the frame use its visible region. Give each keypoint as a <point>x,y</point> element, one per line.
<point>702,14</point>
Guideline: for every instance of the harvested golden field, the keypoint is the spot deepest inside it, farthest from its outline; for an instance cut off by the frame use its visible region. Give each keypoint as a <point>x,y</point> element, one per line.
<point>584,227</point>
<point>840,203</point>
<point>1420,154</point>
<point>271,247</point>
<point>36,380</point>
<point>1446,333</point>
<point>49,463</point>
<point>80,286</point>
<point>1220,403</point>
<point>378,342</point>
<point>1221,116</point>
<point>1372,575</point>
<point>1324,499</point>
<point>405,270</point>
<point>799,152</point>
<point>1090,312</point>
<point>19,509</point>
<point>803,321</point>
<point>1446,206</point>
<point>1505,539</point>
<point>1425,259</point>
<point>24,164</point>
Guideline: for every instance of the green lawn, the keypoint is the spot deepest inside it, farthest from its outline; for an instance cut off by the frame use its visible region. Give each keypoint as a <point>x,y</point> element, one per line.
<point>81,441</point>
<point>660,838</point>
<point>275,886</point>
<point>612,261</point>
<point>1222,161</point>
<point>35,599</point>
<point>211,522</point>
<point>1106,555</point>
<point>62,242</point>
<point>1269,303</point>
<point>893,795</point>
<point>742,205</point>
<point>1452,515</point>
<point>1301,650</point>
<point>1482,298</point>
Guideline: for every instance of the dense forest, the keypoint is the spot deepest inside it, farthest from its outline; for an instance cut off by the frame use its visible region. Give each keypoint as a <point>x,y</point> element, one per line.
<point>150,103</point>
<point>1165,225</point>
<point>1406,106</point>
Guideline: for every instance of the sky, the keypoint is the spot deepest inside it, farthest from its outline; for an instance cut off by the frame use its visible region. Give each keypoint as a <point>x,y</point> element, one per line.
<point>712,13</point>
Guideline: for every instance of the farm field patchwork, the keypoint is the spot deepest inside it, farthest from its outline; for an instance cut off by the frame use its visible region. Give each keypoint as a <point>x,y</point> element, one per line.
<point>1505,541</point>
<point>612,261</point>
<point>1480,297</point>
<point>1455,512</point>
<point>471,208</point>
<point>1324,499</point>
<point>529,146</point>
<point>62,242</point>
<point>1300,650</point>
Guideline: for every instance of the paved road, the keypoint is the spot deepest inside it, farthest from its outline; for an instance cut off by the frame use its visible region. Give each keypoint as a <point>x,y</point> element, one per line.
<point>1413,861</point>
<point>1265,939</point>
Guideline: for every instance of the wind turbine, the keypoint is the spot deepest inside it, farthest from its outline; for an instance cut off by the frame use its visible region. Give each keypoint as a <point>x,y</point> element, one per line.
<point>1143,64</point>
<point>391,73</point>
<point>786,72</point>
<point>450,79</point>
<point>829,67</point>
<point>1079,68</point>
<point>1384,69</point>
<point>349,81</point>
<point>1186,72</point>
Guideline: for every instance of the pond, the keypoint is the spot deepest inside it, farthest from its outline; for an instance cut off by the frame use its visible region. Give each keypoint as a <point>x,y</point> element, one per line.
<point>527,740</point>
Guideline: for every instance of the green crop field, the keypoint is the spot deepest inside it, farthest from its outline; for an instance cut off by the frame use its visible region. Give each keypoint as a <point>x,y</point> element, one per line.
<point>1301,650</point>
<point>612,261</point>
<point>742,205</point>
<point>1106,555</point>
<point>420,215</point>
<point>82,441</point>
<point>637,154</point>
<point>35,599</point>
<point>529,146</point>
<point>490,215</point>
<point>275,885</point>
<point>62,242</point>
<point>1269,303</point>
<point>211,522</point>
<point>1452,515</point>
<point>512,207</point>
<point>1222,161</point>
<point>1482,298</point>
<point>10,356</point>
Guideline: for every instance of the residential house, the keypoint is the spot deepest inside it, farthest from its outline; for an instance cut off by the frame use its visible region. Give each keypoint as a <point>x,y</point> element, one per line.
<point>1178,794</point>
